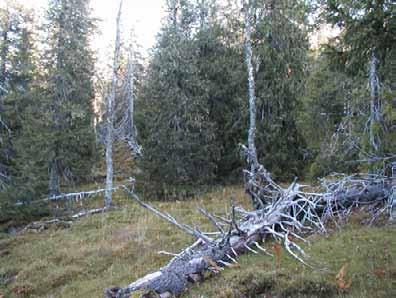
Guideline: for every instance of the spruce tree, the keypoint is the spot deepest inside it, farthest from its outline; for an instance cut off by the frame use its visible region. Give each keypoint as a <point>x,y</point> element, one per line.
<point>17,74</point>
<point>324,104</point>
<point>364,52</point>
<point>280,48</point>
<point>69,91</point>
<point>178,135</point>
<point>221,67</point>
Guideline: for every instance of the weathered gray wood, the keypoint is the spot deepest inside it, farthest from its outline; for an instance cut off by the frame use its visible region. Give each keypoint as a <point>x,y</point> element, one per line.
<point>64,222</point>
<point>131,135</point>
<point>169,218</point>
<point>375,105</point>
<point>110,98</point>
<point>39,226</point>
<point>253,161</point>
<point>89,212</point>
<point>76,196</point>
<point>293,211</point>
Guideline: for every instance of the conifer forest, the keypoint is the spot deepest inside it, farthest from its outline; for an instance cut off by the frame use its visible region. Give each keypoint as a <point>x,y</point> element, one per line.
<point>250,151</point>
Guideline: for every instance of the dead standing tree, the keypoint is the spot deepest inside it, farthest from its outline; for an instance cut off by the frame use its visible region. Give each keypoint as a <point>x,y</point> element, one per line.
<point>122,128</point>
<point>376,117</point>
<point>257,172</point>
<point>127,129</point>
<point>110,98</point>
<point>252,158</point>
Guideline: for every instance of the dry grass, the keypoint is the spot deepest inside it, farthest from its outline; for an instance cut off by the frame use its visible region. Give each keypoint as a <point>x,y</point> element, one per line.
<point>120,246</point>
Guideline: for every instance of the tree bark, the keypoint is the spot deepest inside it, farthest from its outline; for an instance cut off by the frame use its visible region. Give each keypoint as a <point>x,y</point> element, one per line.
<point>130,134</point>
<point>251,176</point>
<point>3,56</point>
<point>375,105</point>
<point>110,113</point>
<point>251,87</point>
<point>54,183</point>
<point>130,91</point>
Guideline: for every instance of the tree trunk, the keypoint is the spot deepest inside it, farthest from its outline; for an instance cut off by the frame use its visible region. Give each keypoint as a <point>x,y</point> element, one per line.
<point>375,106</point>
<point>130,95</point>
<point>203,14</point>
<point>54,183</point>
<point>3,57</point>
<point>110,114</point>
<point>251,176</point>
<point>253,161</point>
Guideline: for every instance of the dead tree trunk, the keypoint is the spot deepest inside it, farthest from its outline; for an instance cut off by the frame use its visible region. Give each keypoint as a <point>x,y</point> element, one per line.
<point>54,178</point>
<point>292,213</point>
<point>253,161</point>
<point>375,106</point>
<point>257,174</point>
<point>251,176</point>
<point>3,56</point>
<point>131,135</point>
<point>130,91</point>
<point>110,113</point>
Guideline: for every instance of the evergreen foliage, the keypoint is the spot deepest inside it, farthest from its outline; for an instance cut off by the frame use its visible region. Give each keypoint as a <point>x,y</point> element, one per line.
<point>179,144</point>
<point>48,103</point>
<point>198,72</point>
<point>70,68</point>
<point>367,34</point>
<point>17,77</point>
<point>281,49</point>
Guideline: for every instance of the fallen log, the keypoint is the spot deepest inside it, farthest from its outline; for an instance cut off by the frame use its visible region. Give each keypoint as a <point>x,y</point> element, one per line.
<point>65,222</point>
<point>90,212</point>
<point>289,212</point>
<point>74,196</point>
<point>39,226</point>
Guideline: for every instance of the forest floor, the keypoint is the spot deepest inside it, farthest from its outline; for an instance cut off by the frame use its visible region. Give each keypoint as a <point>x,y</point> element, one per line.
<point>120,246</point>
